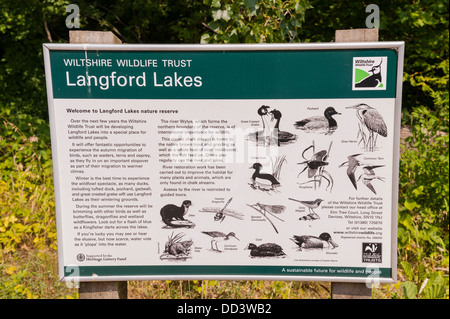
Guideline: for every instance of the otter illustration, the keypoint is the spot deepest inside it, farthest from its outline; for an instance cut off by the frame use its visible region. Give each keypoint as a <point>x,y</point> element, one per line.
<point>171,214</point>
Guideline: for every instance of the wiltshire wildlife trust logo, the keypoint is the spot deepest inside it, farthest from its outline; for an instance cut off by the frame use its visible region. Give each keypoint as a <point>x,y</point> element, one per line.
<point>371,253</point>
<point>369,73</point>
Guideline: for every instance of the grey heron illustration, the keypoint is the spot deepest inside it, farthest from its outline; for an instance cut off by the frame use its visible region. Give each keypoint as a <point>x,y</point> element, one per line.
<point>372,120</point>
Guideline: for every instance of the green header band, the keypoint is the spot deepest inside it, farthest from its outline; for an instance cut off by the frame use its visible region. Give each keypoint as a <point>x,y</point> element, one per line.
<point>293,74</point>
<point>270,271</point>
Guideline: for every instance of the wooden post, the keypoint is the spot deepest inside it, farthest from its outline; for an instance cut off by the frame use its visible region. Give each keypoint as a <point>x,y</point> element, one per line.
<point>345,290</point>
<point>99,289</point>
<point>103,290</point>
<point>348,290</point>
<point>356,35</point>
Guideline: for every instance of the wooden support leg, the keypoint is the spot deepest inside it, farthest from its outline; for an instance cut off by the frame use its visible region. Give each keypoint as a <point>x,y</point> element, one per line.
<point>103,290</point>
<point>347,290</point>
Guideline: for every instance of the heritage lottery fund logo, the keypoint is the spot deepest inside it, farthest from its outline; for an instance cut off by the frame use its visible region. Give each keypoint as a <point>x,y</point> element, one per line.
<point>369,73</point>
<point>371,253</point>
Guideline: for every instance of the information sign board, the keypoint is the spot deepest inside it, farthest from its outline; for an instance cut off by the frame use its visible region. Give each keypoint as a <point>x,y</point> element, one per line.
<point>270,161</point>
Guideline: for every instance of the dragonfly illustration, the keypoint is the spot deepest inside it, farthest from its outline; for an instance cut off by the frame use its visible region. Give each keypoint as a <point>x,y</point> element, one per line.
<point>271,210</point>
<point>221,213</point>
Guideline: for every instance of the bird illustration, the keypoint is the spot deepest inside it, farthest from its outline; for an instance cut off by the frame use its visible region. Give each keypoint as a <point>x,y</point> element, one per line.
<point>373,80</point>
<point>372,120</point>
<point>324,123</point>
<point>263,180</point>
<point>263,177</point>
<point>316,162</point>
<point>173,216</point>
<point>311,204</point>
<point>369,175</point>
<point>265,250</point>
<point>280,136</point>
<point>324,241</point>
<point>352,164</point>
<point>316,165</point>
<point>265,134</point>
<point>218,236</point>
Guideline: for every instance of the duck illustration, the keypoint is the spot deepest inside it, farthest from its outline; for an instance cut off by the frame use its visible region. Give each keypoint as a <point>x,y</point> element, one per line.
<point>319,123</point>
<point>173,216</point>
<point>280,136</point>
<point>263,178</point>
<point>324,241</point>
<point>265,250</point>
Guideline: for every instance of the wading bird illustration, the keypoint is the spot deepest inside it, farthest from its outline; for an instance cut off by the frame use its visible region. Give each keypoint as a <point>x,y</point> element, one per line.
<point>372,120</point>
<point>315,166</point>
<point>324,123</point>
<point>369,175</point>
<point>221,213</point>
<point>272,210</point>
<point>218,236</point>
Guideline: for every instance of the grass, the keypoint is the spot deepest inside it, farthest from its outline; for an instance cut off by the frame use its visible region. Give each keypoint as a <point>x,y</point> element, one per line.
<point>33,274</point>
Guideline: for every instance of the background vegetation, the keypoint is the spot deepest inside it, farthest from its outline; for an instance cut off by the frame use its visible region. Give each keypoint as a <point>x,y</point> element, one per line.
<point>27,218</point>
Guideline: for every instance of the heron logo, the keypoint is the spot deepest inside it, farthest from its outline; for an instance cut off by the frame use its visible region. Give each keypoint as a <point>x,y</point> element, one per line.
<point>369,73</point>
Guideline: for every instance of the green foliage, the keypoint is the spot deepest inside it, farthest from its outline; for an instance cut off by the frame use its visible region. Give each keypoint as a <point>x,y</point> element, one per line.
<point>252,21</point>
<point>31,274</point>
<point>423,25</point>
<point>421,284</point>
<point>26,186</point>
<point>424,187</point>
<point>24,26</point>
